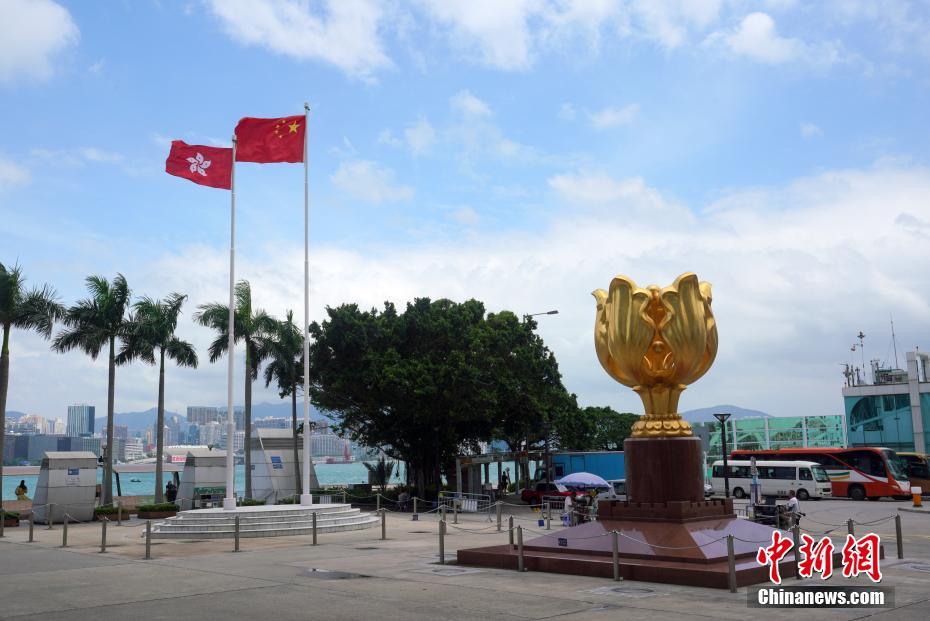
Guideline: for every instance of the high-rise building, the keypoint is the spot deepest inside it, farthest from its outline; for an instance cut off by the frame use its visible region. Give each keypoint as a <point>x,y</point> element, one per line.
<point>271,422</point>
<point>211,433</point>
<point>81,420</point>
<point>58,427</point>
<point>201,415</point>
<point>121,432</point>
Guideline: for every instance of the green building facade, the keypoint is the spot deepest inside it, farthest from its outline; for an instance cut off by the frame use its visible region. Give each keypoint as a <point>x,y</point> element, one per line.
<point>772,433</point>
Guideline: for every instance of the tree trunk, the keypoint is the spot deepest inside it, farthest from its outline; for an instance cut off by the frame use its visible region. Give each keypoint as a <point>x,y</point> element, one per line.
<point>106,495</point>
<point>247,444</point>
<point>299,484</point>
<point>4,383</point>
<point>160,436</point>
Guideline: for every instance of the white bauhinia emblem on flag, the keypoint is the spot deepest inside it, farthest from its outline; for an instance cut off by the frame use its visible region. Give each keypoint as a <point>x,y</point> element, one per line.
<point>199,165</point>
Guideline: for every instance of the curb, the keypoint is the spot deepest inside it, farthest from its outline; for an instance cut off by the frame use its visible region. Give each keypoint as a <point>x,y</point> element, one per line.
<point>910,510</point>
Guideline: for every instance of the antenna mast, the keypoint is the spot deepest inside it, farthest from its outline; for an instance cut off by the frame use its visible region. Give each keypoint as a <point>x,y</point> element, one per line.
<point>894,342</point>
<point>861,336</point>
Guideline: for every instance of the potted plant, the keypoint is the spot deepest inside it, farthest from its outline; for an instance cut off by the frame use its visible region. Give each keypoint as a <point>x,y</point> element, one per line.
<point>109,512</point>
<point>10,518</point>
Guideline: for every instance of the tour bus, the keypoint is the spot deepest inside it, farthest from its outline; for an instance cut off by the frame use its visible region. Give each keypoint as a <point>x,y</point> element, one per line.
<point>918,470</point>
<point>776,478</point>
<point>860,472</point>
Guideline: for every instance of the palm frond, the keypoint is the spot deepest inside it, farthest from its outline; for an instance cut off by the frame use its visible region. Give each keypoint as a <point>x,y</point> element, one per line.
<point>182,352</point>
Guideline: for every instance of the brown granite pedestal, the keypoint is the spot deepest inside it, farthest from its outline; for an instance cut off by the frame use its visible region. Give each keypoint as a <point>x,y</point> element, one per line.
<point>667,531</point>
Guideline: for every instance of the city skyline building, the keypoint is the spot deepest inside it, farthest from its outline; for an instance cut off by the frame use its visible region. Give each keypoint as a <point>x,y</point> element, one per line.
<point>81,420</point>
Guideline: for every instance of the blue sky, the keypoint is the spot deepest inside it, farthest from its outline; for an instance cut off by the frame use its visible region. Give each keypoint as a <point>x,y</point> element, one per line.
<point>519,152</point>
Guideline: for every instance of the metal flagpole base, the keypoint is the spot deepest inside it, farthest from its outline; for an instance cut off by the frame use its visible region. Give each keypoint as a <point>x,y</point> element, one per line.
<point>229,504</point>
<point>306,499</point>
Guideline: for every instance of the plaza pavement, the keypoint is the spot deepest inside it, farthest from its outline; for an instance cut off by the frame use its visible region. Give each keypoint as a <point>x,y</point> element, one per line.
<point>287,578</point>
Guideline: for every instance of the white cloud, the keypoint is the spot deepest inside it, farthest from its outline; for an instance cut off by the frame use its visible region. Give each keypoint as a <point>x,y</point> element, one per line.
<point>370,182</point>
<point>32,34</point>
<point>469,106</point>
<point>601,189</point>
<point>788,297</point>
<point>465,216</point>
<point>756,38</point>
<point>567,112</point>
<point>420,136</point>
<point>12,174</point>
<point>345,34</point>
<point>810,130</point>
<point>613,117</point>
<point>670,22</point>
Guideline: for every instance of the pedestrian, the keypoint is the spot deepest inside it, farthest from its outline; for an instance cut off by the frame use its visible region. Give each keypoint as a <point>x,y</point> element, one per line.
<point>171,491</point>
<point>567,511</point>
<point>505,483</point>
<point>402,499</point>
<point>22,490</point>
<point>793,508</point>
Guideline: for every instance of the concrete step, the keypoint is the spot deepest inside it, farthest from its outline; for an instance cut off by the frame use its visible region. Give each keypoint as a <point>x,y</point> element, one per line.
<point>271,531</point>
<point>262,517</point>
<point>183,526</point>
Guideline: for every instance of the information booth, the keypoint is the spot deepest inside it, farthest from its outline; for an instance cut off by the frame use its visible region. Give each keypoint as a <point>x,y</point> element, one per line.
<point>203,480</point>
<point>67,484</point>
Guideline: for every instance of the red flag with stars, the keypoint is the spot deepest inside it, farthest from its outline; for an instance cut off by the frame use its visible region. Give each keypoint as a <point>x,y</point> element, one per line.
<point>210,166</point>
<point>267,141</point>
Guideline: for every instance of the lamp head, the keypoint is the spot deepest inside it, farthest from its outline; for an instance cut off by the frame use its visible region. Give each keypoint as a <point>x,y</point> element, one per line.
<point>722,416</point>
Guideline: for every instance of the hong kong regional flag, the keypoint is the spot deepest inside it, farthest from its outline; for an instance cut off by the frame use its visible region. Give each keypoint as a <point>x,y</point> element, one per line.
<point>267,141</point>
<point>210,166</point>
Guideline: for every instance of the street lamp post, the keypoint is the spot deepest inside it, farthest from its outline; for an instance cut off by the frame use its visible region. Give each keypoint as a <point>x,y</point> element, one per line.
<point>722,417</point>
<point>547,426</point>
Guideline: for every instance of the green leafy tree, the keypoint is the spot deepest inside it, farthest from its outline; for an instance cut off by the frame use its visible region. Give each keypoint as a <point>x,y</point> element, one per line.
<point>34,310</point>
<point>381,472</point>
<point>416,384</point>
<point>150,336</point>
<point>283,348</point>
<point>594,429</point>
<point>529,393</point>
<point>93,324</point>
<point>250,326</point>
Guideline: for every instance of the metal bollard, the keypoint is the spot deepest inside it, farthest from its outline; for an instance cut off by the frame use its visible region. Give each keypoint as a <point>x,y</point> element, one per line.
<point>455,512</point>
<point>520,562</point>
<point>2,520</point>
<point>236,534</point>
<point>615,537</point>
<point>731,564</point>
<point>119,512</point>
<point>103,535</point>
<point>442,512</point>
<point>851,527</point>
<point>414,506</point>
<point>796,535</point>
<point>383,524</point>
<point>49,510</point>
<point>378,502</point>
<point>498,516</point>
<point>64,533</point>
<point>148,539</point>
<point>899,539</point>
<point>548,516</point>
<point>510,530</point>
<point>31,524</point>
<point>313,524</point>
<point>442,542</point>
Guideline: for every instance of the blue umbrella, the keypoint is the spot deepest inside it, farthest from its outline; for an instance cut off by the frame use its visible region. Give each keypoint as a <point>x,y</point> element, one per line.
<point>582,479</point>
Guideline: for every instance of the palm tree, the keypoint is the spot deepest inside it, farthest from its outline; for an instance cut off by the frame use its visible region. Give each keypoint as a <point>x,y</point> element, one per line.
<point>150,337</point>
<point>284,349</point>
<point>35,310</point>
<point>381,471</point>
<point>249,328</point>
<point>92,324</point>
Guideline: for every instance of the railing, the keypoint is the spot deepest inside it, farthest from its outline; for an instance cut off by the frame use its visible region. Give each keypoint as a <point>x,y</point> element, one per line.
<point>466,502</point>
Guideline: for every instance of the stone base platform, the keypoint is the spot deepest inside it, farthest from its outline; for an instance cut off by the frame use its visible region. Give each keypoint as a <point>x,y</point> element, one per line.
<point>262,521</point>
<point>690,553</point>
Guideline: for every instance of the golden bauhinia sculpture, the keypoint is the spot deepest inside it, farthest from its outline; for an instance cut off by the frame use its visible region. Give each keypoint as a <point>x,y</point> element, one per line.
<point>656,341</point>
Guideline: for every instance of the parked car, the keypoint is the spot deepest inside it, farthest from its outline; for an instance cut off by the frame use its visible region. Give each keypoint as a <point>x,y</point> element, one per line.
<point>535,495</point>
<point>617,490</point>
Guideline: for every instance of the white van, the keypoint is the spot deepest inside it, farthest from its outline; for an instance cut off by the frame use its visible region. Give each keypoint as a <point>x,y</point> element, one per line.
<point>807,478</point>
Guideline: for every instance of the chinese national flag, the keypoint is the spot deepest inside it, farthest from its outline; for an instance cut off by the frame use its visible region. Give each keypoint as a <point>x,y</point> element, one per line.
<point>210,166</point>
<point>271,140</point>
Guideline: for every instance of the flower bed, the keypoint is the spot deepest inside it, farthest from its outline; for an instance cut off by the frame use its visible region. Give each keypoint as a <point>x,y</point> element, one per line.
<point>157,511</point>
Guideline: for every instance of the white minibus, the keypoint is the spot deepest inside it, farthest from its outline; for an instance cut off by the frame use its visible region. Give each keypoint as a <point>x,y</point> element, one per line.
<point>776,478</point>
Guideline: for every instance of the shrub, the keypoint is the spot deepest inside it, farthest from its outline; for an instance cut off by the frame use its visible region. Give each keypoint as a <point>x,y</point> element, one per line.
<point>10,515</point>
<point>290,500</point>
<point>160,506</point>
<point>109,510</point>
<point>249,502</point>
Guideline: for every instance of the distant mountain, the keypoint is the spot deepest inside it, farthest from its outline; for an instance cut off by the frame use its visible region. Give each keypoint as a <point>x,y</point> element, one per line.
<point>705,415</point>
<point>136,421</point>
<point>14,415</point>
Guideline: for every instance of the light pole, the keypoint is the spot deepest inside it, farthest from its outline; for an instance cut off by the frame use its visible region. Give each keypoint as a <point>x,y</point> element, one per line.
<point>547,427</point>
<point>722,417</point>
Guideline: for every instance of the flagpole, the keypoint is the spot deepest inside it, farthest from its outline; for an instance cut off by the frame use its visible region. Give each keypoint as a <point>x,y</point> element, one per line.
<point>229,502</point>
<point>306,498</point>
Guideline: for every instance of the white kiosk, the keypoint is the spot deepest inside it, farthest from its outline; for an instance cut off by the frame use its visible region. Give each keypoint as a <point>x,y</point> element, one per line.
<point>203,481</point>
<point>67,484</point>
<point>273,469</point>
